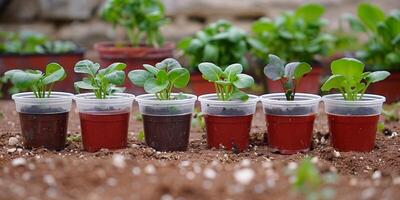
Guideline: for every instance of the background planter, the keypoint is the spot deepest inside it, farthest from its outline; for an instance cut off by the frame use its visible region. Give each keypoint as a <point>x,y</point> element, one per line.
<point>387,87</point>
<point>134,57</point>
<point>44,121</point>
<point>104,122</point>
<point>199,85</point>
<point>39,61</point>
<point>228,123</point>
<point>310,83</point>
<point>353,124</point>
<point>166,122</point>
<point>290,123</point>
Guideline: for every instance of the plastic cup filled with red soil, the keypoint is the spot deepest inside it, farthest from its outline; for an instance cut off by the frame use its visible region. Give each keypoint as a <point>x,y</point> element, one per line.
<point>353,124</point>
<point>228,123</point>
<point>167,123</point>
<point>104,122</point>
<point>290,123</point>
<point>44,121</point>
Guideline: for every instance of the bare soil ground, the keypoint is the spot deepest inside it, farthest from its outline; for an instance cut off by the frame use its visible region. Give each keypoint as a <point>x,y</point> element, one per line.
<point>139,172</point>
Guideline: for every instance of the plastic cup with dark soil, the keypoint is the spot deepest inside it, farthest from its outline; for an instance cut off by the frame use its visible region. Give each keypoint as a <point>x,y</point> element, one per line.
<point>167,122</point>
<point>353,124</point>
<point>228,123</point>
<point>290,123</point>
<point>44,121</point>
<point>104,122</point>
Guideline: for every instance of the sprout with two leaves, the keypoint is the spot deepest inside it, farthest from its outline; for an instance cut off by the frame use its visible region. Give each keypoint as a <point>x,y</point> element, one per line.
<point>289,75</point>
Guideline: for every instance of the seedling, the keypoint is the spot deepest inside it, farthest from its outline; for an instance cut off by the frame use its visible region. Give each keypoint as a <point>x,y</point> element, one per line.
<point>228,82</point>
<point>308,182</point>
<point>40,83</point>
<point>348,77</point>
<point>103,82</point>
<point>289,75</point>
<point>140,136</point>
<point>74,138</point>
<point>141,19</point>
<point>198,120</point>
<point>161,79</point>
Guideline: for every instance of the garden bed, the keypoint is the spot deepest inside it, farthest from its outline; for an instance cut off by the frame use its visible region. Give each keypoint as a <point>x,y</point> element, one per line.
<point>139,172</point>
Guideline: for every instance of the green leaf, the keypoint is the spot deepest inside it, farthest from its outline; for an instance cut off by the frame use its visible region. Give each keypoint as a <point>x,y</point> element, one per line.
<point>210,53</point>
<point>374,77</point>
<point>210,71</point>
<point>243,81</point>
<point>139,77</point>
<point>310,12</point>
<point>151,69</point>
<point>232,70</point>
<point>301,70</point>
<point>84,85</point>
<point>54,72</point>
<point>262,25</point>
<point>370,15</point>
<point>334,81</point>
<point>195,46</point>
<point>179,77</point>
<point>275,68</point>
<point>239,95</point>
<point>115,77</point>
<point>153,86</point>
<point>25,80</point>
<point>86,67</point>
<point>162,76</point>
<point>113,67</point>
<point>348,67</point>
<point>168,64</point>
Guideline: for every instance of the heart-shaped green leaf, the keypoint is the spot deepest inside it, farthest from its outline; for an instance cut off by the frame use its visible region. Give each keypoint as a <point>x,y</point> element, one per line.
<point>348,67</point>
<point>139,77</point>
<point>151,69</point>
<point>168,64</point>
<point>86,67</point>
<point>113,67</point>
<point>210,71</point>
<point>153,86</point>
<point>374,77</point>
<point>115,77</point>
<point>243,81</point>
<point>179,77</point>
<point>275,68</point>
<point>54,72</point>
<point>333,82</point>
<point>232,70</point>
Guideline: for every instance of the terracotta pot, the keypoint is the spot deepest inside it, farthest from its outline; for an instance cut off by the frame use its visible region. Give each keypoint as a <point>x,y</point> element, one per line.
<point>353,124</point>
<point>200,86</point>
<point>134,57</point>
<point>39,61</point>
<point>309,84</point>
<point>387,88</point>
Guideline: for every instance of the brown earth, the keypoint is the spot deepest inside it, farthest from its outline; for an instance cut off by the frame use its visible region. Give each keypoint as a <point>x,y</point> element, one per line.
<point>139,172</point>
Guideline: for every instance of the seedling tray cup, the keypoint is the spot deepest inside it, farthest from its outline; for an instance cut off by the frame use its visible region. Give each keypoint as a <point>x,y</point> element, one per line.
<point>104,122</point>
<point>353,124</point>
<point>167,122</point>
<point>44,121</point>
<point>290,123</point>
<point>228,123</point>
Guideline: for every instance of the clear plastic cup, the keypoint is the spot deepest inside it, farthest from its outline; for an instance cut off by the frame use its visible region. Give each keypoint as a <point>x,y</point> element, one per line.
<point>118,102</point>
<point>59,102</point>
<point>150,105</point>
<point>369,105</point>
<point>303,104</point>
<point>212,106</point>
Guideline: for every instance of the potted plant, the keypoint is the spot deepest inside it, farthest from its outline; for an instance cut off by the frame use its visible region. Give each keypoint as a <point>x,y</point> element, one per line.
<point>166,115</point>
<point>29,50</point>
<point>142,21</point>
<point>352,115</point>
<point>290,115</point>
<point>228,112</point>
<point>220,43</point>
<point>43,114</point>
<point>382,49</point>
<point>294,36</point>
<point>104,113</point>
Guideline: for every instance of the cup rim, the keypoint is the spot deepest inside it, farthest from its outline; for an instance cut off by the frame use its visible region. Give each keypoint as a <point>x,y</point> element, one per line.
<point>30,97</point>
<point>116,97</point>
<point>368,100</point>
<point>150,99</point>
<point>209,99</point>
<point>311,99</point>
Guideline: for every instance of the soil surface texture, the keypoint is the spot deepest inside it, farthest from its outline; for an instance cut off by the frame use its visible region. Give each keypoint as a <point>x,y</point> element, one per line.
<point>140,172</point>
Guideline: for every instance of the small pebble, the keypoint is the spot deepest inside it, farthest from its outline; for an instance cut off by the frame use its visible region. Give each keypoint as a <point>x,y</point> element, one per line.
<point>18,162</point>
<point>292,166</point>
<point>244,176</point>
<point>12,150</point>
<point>49,180</point>
<point>166,197</point>
<point>118,161</point>
<point>336,154</point>
<point>13,141</point>
<point>150,169</point>
<point>245,163</point>
<point>209,173</point>
<point>396,180</point>
<point>376,175</point>
<point>136,171</point>
<point>314,159</point>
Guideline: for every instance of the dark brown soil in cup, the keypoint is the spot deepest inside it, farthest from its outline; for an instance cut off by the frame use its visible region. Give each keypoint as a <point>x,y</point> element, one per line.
<point>167,133</point>
<point>44,130</point>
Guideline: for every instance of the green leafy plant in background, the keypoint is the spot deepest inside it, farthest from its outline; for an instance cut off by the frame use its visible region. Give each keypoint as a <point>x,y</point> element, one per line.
<point>141,19</point>
<point>382,50</point>
<point>294,35</point>
<point>310,183</point>
<point>220,43</point>
<point>161,79</point>
<point>32,43</point>
<point>289,74</point>
<point>40,83</point>
<point>349,78</point>
<point>103,82</point>
<point>228,82</point>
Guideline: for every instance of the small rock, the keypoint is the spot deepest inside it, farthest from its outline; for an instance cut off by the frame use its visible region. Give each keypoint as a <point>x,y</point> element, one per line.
<point>118,161</point>
<point>13,141</point>
<point>166,197</point>
<point>368,193</point>
<point>12,150</point>
<point>336,154</point>
<point>314,159</point>
<point>244,176</point>
<point>49,180</point>
<point>136,171</point>
<point>190,175</point>
<point>245,163</point>
<point>18,162</point>
<point>396,180</point>
<point>112,182</point>
<point>292,166</point>
<point>150,169</point>
<point>209,173</point>
<point>135,146</point>
<point>376,175</point>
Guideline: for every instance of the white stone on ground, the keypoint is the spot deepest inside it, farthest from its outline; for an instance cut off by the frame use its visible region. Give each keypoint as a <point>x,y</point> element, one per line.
<point>244,176</point>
